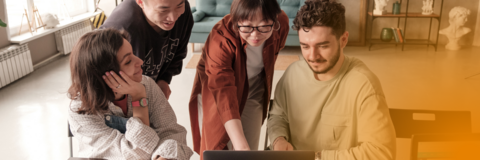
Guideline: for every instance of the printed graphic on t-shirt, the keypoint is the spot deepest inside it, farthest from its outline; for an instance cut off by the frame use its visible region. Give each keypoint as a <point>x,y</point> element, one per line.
<point>174,44</point>
<point>151,66</point>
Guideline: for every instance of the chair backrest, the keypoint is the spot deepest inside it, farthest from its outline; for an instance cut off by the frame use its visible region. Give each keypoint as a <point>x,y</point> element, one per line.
<point>291,7</point>
<point>69,131</point>
<point>265,146</point>
<point>409,122</point>
<point>70,135</point>
<point>214,8</point>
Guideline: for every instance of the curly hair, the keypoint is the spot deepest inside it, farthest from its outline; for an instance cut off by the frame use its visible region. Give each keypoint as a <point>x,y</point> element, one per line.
<point>327,13</point>
<point>456,11</point>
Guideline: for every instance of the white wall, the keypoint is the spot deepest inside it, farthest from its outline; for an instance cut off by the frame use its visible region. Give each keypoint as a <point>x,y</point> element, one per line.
<point>192,3</point>
<point>476,40</point>
<point>3,31</point>
<point>107,6</point>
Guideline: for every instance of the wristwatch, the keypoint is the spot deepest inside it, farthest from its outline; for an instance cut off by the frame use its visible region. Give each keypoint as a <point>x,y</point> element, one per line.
<point>141,103</point>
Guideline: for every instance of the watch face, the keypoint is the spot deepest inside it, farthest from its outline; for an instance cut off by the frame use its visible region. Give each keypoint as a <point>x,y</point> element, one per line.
<point>143,102</point>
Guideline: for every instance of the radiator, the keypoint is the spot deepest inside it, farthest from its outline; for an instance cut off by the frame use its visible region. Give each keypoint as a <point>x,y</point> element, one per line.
<point>15,62</point>
<point>67,37</point>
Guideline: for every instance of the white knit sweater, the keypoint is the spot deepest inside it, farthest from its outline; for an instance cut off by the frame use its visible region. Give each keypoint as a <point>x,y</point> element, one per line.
<point>164,137</point>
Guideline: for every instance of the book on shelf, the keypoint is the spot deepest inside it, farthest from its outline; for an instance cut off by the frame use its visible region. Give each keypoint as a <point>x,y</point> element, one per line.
<point>395,35</point>
<point>399,33</point>
<point>403,35</point>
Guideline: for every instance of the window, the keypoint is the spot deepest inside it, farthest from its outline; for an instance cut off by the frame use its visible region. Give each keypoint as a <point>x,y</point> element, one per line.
<point>64,9</point>
<point>15,10</point>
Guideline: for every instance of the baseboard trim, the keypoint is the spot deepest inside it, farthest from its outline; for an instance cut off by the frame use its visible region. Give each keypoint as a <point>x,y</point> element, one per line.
<point>48,60</point>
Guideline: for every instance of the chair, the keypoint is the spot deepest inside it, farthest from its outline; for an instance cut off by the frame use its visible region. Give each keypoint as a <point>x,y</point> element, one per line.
<point>70,135</point>
<point>432,126</point>
<point>266,131</point>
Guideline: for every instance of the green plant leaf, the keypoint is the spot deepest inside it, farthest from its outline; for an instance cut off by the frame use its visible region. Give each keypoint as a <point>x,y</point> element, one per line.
<point>2,24</point>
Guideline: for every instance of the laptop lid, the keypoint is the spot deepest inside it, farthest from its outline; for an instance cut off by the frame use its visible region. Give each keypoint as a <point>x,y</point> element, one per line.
<point>258,155</point>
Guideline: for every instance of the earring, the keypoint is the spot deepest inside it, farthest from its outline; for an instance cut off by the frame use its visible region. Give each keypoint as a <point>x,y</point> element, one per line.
<point>278,26</point>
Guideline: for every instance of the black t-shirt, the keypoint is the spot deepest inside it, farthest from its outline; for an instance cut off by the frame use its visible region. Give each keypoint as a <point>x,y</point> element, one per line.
<point>162,55</point>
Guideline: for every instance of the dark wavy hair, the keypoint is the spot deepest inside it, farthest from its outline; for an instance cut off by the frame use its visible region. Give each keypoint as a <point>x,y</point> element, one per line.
<point>241,10</point>
<point>327,13</point>
<point>94,54</point>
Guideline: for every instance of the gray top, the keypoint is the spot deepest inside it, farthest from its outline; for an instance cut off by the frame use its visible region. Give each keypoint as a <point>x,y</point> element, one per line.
<point>164,137</point>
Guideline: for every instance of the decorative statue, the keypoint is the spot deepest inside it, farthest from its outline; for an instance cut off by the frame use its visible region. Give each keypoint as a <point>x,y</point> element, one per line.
<point>380,7</point>
<point>427,8</point>
<point>50,20</point>
<point>454,32</point>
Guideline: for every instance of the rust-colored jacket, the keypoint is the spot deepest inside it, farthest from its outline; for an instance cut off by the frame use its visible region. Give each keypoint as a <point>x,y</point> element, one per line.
<point>222,80</point>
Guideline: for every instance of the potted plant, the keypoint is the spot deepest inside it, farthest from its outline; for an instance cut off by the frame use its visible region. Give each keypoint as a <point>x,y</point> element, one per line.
<point>2,24</point>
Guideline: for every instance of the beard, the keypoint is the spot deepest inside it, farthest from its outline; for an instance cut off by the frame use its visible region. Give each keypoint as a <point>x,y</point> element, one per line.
<point>331,62</point>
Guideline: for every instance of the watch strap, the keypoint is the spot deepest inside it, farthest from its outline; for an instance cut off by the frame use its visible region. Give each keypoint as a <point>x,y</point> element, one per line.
<point>136,104</point>
<point>140,103</point>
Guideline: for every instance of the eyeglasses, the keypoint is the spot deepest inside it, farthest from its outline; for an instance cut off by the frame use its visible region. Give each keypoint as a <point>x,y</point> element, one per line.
<point>261,29</point>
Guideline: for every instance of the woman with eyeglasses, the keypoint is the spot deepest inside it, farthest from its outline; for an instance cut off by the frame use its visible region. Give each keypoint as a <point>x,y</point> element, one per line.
<point>234,76</point>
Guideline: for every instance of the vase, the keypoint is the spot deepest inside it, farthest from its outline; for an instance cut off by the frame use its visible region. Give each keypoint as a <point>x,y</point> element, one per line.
<point>396,8</point>
<point>386,35</point>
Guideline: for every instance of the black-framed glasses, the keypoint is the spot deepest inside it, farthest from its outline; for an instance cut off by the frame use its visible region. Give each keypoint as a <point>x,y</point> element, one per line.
<point>261,29</point>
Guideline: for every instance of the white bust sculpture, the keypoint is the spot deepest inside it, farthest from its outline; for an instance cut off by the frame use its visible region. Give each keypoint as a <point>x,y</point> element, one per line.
<point>50,20</point>
<point>427,8</point>
<point>380,7</point>
<point>456,30</point>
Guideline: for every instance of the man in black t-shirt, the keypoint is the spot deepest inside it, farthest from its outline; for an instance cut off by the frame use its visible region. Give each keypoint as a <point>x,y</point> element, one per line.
<point>159,33</point>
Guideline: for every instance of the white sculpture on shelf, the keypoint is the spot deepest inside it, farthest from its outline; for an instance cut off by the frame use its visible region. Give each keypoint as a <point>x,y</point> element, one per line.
<point>380,7</point>
<point>427,8</point>
<point>454,32</point>
<point>50,20</point>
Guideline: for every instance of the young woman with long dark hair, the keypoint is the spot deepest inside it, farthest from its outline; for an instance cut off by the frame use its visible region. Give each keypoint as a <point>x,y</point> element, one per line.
<point>116,112</point>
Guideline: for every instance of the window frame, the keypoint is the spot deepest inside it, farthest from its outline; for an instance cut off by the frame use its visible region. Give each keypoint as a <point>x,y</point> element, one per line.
<point>13,29</point>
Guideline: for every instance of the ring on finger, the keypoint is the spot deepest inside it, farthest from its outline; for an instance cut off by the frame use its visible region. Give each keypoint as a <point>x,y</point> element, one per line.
<point>119,86</point>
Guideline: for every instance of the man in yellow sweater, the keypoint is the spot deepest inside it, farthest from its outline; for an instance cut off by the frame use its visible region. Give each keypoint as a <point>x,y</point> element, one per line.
<point>330,103</point>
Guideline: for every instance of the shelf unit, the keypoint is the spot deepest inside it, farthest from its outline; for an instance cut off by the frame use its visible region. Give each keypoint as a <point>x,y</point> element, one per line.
<point>407,15</point>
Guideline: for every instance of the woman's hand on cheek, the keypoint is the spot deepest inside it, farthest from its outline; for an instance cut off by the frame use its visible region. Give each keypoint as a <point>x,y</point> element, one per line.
<point>125,85</point>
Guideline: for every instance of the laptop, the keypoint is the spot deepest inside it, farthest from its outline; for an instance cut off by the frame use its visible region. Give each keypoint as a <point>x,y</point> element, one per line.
<point>258,155</point>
